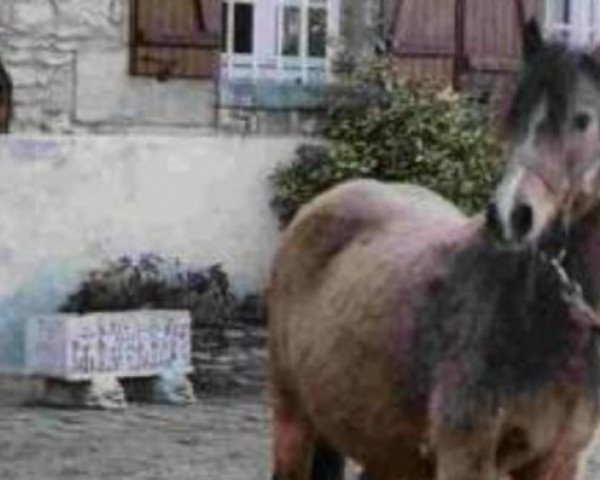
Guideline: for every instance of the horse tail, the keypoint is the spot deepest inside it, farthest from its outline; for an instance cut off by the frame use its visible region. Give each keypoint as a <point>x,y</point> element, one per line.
<point>327,463</point>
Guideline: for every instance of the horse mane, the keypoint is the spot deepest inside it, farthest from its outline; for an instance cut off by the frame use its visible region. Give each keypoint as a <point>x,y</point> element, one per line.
<point>497,328</point>
<point>551,75</point>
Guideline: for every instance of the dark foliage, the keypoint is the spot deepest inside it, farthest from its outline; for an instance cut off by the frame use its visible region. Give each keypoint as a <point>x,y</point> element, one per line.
<point>383,128</point>
<point>154,282</point>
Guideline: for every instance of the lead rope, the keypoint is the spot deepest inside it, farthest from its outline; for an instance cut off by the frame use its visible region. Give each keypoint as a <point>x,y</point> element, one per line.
<point>572,292</point>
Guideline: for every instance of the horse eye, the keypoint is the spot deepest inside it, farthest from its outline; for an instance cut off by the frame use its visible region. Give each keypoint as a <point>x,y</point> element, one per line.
<point>581,121</point>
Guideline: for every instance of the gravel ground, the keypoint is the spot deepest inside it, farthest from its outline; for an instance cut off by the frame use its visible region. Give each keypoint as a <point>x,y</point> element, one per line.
<point>219,438</point>
<point>216,439</point>
<point>225,436</point>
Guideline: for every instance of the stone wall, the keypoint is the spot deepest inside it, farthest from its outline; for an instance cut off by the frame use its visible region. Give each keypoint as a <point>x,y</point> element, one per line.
<point>69,64</point>
<point>68,61</point>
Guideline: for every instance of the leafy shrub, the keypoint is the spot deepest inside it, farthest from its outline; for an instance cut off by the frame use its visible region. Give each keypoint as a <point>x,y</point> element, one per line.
<point>383,128</point>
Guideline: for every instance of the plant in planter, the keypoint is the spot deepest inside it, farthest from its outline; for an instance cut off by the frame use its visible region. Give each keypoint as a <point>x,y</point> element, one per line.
<point>226,344</point>
<point>154,282</point>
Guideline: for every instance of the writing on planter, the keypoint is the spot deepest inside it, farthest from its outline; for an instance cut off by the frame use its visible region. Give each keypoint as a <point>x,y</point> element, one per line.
<point>121,346</point>
<point>128,343</point>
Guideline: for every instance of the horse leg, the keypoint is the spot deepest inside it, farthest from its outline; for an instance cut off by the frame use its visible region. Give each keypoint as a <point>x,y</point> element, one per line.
<point>328,463</point>
<point>293,446</point>
<point>562,462</point>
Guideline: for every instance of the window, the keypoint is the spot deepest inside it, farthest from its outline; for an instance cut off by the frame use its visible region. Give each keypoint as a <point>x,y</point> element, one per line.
<point>174,38</point>
<point>284,41</point>
<point>303,28</point>
<point>302,40</point>
<point>239,28</point>
<point>243,28</point>
<point>576,22</point>
<point>317,32</point>
<point>224,23</point>
<point>290,43</point>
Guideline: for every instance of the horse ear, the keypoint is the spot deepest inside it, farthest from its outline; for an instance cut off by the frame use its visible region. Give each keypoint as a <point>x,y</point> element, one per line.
<point>533,41</point>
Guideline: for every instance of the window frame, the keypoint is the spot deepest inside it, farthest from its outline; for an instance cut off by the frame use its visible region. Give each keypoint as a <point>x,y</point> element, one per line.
<point>324,8</point>
<point>303,62</point>
<point>229,33</point>
<point>266,62</point>
<point>579,22</point>
<point>304,6</point>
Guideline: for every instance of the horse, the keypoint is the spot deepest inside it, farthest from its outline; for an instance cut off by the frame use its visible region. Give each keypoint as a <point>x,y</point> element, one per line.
<point>427,345</point>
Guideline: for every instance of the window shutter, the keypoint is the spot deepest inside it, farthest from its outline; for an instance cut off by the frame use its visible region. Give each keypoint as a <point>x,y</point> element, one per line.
<point>175,38</point>
<point>212,16</point>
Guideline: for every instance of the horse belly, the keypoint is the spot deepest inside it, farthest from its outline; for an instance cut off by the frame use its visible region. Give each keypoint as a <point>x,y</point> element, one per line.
<point>355,400</point>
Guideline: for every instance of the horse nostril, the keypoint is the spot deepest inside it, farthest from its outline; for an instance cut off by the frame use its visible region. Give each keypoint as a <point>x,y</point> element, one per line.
<point>492,220</point>
<point>521,220</point>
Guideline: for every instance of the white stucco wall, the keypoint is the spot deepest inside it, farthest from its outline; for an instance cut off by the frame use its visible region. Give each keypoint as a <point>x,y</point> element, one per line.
<point>69,203</point>
<point>85,198</point>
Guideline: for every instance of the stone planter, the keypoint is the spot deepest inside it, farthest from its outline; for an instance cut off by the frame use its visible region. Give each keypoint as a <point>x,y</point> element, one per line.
<point>87,359</point>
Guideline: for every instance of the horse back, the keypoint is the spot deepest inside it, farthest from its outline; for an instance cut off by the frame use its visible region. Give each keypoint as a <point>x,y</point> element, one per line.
<point>354,213</point>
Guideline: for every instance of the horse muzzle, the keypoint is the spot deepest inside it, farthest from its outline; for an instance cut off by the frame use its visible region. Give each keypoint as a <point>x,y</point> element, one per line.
<point>515,228</point>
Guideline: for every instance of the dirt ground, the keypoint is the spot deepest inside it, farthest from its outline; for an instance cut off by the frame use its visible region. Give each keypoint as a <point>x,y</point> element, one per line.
<point>225,436</point>
<point>216,439</point>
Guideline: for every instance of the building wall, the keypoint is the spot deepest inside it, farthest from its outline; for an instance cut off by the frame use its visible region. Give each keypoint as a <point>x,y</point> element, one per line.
<point>67,203</point>
<point>68,61</point>
<point>69,64</point>
<point>87,197</point>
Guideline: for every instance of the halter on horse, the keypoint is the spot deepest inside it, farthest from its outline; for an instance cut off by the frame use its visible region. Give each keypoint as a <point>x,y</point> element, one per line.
<point>553,170</point>
<point>553,173</point>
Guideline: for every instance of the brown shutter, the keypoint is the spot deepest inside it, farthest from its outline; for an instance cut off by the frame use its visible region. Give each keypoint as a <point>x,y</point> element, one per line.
<point>425,37</point>
<point>175,38</point>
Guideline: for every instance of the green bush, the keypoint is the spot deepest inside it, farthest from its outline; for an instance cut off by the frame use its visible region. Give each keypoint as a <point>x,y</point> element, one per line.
<point>396,131</point>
